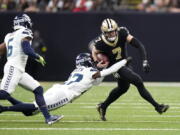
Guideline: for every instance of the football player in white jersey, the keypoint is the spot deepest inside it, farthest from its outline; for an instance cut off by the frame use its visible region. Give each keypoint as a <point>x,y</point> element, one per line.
<point>81,80</point>
<point>17,46</point>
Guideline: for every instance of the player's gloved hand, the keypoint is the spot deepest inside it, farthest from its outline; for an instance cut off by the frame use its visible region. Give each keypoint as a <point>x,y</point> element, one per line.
<point>41,60</point>
<point>146,66</point>
<point>129,60</point>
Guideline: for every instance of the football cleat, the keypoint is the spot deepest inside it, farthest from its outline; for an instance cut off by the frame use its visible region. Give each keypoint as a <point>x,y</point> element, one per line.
<point>162,108</point>
<point>28,113</point>
<point>102,112</point>
<point>53,118</point>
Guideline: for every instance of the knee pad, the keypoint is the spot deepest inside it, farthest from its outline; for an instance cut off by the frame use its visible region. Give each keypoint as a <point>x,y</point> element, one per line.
<point>38,90</point>
<point>4,94</point>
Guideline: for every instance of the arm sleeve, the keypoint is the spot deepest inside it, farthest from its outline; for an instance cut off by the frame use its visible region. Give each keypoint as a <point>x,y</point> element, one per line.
<point>123,33</point>
<point>137,44</point>
<point>114,68</point>
<point>28,50</point>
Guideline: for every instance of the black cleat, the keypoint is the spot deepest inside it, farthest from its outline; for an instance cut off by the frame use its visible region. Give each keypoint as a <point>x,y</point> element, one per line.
<point>31,112</point>
<point>162,108</point>
<point>27,113</point>
<point>53,119</point>
<point>102,112</point>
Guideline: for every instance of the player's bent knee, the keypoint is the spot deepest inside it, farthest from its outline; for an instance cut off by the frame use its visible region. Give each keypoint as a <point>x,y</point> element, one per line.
<point>38,90</point>
<point>4,94</point>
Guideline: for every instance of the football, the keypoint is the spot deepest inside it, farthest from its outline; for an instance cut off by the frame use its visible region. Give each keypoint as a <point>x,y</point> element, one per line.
<point>102,57</point>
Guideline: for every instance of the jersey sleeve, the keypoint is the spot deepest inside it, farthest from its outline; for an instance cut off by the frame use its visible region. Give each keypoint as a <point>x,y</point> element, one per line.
<point>26,33</point>
<point>6,38</point>
<point>123,33</point>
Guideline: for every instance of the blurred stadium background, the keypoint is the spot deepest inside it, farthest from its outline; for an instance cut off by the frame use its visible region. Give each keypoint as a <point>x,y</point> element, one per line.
<point>64,28</point>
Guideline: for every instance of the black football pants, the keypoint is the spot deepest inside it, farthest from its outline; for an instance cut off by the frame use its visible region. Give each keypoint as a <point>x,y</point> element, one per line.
<point>127,77</point>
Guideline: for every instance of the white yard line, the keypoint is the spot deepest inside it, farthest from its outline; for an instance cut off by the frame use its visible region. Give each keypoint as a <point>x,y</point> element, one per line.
<point>97,129</point>
<point>153,84</point>
<point>121,107</point>
<point>141,103</point>
<point>130,115</point>
<point>68,121</point>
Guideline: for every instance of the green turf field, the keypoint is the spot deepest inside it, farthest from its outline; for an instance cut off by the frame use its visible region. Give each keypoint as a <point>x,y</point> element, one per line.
<point>129,115</point>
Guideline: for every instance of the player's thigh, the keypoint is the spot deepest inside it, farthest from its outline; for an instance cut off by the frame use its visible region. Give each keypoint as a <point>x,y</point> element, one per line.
<point>123,85</point>
<point>28,82</point>
<point>10,79</point>
<point>129,75</point>
<point>55,97</point>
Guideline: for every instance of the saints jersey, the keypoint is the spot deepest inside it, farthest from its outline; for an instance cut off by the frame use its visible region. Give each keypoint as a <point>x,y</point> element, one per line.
<point>116,50</point>
<point>81,79</point>
<point>15,55</point>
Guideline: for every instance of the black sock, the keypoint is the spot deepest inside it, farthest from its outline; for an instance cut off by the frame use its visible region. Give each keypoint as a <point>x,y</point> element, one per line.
<point>40,101</point>
<point>146,95</point>
<point>13,100</point>
<point>113,95</point>
<point>3,95</point>
<point>21,107</point>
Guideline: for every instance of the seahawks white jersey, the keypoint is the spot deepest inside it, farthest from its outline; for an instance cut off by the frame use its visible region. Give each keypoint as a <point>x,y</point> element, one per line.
<point>81,79</point>
<point>15,55</point>
<point>79,82</point>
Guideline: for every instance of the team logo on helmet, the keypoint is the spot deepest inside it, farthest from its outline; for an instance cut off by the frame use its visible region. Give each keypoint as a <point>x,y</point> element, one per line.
<point>21,21</point>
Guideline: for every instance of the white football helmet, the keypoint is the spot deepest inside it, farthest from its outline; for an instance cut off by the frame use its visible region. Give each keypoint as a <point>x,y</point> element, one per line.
<point>22,21</point>
<point>110,29</point>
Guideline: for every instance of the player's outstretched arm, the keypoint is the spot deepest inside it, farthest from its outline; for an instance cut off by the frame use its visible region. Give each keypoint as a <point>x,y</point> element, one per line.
<point>30,52</point>
<point>137,44</point>
<point>114,68</point>
<point>2,48</point>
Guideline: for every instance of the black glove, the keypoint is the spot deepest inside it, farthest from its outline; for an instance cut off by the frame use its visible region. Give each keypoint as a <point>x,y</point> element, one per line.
<point>129,60</point>
<point>146,66</point>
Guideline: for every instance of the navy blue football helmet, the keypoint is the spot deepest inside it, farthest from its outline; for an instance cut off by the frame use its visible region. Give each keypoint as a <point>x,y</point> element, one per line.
<point>22,20</point>
<point>84,59</point>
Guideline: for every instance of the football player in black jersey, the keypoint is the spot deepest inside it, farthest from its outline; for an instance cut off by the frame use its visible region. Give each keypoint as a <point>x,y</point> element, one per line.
<point>112,42</point>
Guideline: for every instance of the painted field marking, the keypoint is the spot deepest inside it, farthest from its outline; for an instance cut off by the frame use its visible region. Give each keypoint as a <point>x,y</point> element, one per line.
<point>98,121</point>
<point>97,129</point>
